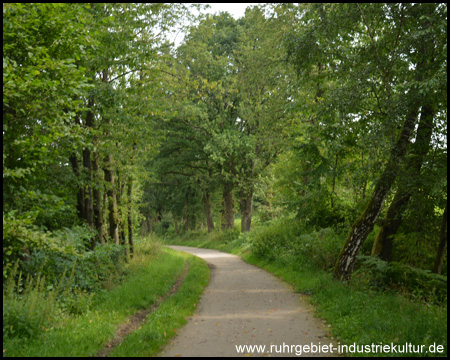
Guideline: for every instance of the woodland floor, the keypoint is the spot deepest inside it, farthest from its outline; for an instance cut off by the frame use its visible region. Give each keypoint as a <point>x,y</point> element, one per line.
<point>244,305</point>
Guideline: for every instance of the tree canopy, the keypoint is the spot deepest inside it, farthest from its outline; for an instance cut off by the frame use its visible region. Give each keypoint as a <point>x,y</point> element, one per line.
<point>330,115</point>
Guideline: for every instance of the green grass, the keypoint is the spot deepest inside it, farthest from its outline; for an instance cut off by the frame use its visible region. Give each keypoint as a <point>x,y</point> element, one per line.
<point>151,275</point>
<point>355,314</point>
<point>163,323</point>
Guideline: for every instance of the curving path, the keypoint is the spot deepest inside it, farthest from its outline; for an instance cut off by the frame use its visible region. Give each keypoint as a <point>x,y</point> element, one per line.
<point>244,305</point>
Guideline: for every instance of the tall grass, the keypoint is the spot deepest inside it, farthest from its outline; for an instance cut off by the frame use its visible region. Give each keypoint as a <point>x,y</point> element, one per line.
<point>30,306</point>
<point>149,275</point>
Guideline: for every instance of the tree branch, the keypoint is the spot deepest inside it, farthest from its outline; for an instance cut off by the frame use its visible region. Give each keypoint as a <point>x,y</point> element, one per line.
<point>383,69</point>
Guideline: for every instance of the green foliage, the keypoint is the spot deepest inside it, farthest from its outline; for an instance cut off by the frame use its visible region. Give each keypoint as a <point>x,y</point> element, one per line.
<point>422,285</point>
<point>43,45</point>
<point>29,307</point>
<point>229,235</point>
<point>53,253</point>
<point>287,242</point>
<point>91,267</point>
<point>93,322</point>
<point>19,238</point>
<point>33,305</point>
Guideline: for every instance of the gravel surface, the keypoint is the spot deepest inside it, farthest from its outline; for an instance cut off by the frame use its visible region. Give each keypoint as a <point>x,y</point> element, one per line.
<point>245,305</point>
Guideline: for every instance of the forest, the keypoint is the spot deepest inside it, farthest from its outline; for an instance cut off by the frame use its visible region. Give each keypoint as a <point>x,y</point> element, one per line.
<point>304,136</point>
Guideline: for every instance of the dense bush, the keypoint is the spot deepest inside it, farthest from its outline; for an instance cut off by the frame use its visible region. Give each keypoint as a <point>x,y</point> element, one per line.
<point>90,266</point>
<point>51,254</point>
<point>284,241</point>
<point>19,237</point>
<point>57,282</point>
<point>419,284</point>
<point>50,273</point>
<point>28,306</point>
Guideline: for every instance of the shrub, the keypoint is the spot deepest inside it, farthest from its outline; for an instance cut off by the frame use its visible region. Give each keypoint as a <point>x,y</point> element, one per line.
<point>419,284</point>
<point>283,241</point>
<point>321,247</point>
<point>28,307</point>
<point>19,238</point>
<point>91,267</point>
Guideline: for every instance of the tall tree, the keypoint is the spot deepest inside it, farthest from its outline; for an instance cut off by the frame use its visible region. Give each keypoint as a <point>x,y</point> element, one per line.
<point>43,86</point>
<point>264,97</point>
<point>381,57</point>
<point>384,239</point>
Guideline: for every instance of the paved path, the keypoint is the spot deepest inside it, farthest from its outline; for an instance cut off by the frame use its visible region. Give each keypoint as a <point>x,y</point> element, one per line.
<point>244,305</point>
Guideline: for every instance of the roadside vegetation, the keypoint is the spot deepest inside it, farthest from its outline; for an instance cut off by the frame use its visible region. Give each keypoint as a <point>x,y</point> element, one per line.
<point>382,303</point>
<point>70,321</point>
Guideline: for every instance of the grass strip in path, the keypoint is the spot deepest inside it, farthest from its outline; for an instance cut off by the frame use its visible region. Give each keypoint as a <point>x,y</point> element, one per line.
<point>139,317</point>
<point>163,323</point>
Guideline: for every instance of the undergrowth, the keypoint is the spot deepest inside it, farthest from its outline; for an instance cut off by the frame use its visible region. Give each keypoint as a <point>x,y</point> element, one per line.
<point>40,324</point>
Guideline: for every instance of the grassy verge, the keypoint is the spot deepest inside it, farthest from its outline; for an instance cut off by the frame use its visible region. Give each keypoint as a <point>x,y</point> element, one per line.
<point>150,275</point>
<point>163,323</point>
<point>357,315</point>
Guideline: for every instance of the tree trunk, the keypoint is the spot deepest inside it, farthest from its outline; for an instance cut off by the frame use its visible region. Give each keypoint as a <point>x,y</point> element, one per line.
<point>120,216</point>
<point>227,207</point>
<point>88,203</point>
<point>87,165</point>
<point>105,215</point>
<point>383,244</point>
<point>442,243</point>
<point>364,225</point>
<point>175,224</point>
<point>208,212</point>
<point>112,201</point>
<point>110,186</point>
<point>98,218</point>
<point>245,205</point>
<point>187,222</point>
<point>129,214</point>
<point>80,194</point>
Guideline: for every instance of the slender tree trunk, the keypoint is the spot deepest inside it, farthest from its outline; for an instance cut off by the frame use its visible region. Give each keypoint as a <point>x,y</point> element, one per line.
<point>228,207</point>
<point>129,214</point>
<point>98,218</point>
<point>80,194</point>
<point>105,215</point>
<point>364,225</point>
<point>333,189</point>
<point>110,186</point>
<point>88,203</point>
<point>187,222</point>
<point>442,244</point>
<point>120,216</point>
<point>208,212</point>
<point>175,224</point>
<point>246,205</point>
<point>87,169</point>
<point>112,201</point>
<point>383,244</point>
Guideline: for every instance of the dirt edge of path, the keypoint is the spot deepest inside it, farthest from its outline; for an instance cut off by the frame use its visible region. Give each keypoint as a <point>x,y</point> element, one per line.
<point>140,317</point>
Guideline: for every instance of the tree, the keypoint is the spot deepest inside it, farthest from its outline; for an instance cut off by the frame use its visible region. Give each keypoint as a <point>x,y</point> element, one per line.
<point>74,90</point>
<point>42,89</point>
<point>442,243</point>
<point>263,98</point>
<point>383,242</point>
<point>383,57</point>
<point>232,113</point>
